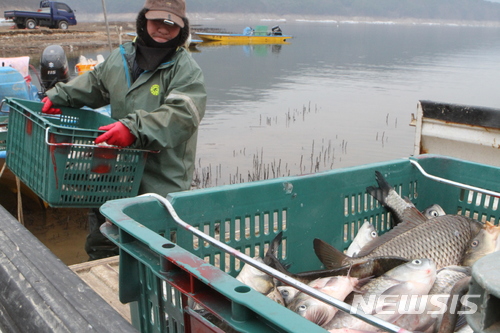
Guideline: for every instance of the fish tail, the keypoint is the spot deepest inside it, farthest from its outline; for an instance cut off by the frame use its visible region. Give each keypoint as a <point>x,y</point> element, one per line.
<point>271,257</point>
<point>381,192</point>
<point>274,246</point>
<point>329,255</point>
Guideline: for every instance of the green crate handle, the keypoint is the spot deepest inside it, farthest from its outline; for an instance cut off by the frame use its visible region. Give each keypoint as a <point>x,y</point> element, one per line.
<point>276,274</point>
<point>90,146</point>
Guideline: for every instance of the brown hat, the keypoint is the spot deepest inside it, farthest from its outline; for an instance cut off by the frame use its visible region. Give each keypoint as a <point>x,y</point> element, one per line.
<point>173,10</point>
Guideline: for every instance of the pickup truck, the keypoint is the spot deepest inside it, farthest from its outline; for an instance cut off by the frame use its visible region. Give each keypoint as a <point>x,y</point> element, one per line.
<point>51,14</point>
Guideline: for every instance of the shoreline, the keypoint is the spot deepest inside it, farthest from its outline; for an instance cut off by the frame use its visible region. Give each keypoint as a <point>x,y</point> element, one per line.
<point>199,18</point>
<point>91,30</point>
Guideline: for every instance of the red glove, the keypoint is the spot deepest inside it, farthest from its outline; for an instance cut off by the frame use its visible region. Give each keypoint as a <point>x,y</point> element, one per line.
<point>117,135</point>
<point>47,107</point>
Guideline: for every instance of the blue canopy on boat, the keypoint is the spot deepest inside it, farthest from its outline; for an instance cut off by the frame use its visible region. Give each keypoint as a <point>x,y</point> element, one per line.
<point>248,31</point>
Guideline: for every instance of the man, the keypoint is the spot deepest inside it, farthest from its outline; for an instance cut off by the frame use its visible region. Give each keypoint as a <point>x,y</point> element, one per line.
<point>157,95</point>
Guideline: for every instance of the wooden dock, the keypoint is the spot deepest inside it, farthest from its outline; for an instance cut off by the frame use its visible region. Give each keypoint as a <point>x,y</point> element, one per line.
<point>102,276</point>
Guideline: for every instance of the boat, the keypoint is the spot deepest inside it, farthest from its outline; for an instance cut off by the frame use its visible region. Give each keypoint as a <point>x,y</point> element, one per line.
<point>259,35</point>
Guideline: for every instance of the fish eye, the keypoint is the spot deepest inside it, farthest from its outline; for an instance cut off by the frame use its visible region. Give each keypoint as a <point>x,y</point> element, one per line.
<point>417,262</point>
<point>374,234</point>
<point>434,213</point>
<point>474,243</point>
<point>284,293</point>
<point>302,308</point>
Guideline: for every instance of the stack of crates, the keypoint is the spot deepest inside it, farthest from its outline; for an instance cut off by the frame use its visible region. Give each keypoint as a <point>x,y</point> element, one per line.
<point>164,269</point>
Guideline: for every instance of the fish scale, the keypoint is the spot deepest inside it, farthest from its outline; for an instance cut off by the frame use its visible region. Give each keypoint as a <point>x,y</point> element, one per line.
<point>443,239</point>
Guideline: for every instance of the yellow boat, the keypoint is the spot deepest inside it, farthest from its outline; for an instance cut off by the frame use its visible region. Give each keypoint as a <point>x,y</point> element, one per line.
<point>259,35</point>
<point>213,43</point>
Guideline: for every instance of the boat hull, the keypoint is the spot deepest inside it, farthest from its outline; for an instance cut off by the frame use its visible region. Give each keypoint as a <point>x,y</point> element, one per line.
<point>243,39</point>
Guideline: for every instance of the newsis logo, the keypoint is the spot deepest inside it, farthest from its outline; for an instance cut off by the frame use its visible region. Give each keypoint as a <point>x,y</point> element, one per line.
<point>414,304</point>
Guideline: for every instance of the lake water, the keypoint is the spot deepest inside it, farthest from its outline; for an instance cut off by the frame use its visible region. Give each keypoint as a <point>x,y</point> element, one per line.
<point>338,95</point>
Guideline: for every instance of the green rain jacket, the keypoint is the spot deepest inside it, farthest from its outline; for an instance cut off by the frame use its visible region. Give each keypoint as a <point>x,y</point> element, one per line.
<point>162,108</point>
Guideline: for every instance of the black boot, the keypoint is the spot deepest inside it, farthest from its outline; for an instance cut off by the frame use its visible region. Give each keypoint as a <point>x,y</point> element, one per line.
<point>97,245</point>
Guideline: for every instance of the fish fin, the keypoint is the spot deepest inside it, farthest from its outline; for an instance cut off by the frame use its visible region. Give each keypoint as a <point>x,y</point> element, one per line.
<point>412,218</point>
<point>277,265</point>
<point>461,322</point>
<point>391,304</point>
<point>270,258</point>
<point>321,315</point>
<point>491,228</point>
<point>362,282</point>
<point>467,270</point>
<point>329,255</point>
<point>357,290</point>
<point>272,252</point>
<point>381,192</point>
<point>398,289</point>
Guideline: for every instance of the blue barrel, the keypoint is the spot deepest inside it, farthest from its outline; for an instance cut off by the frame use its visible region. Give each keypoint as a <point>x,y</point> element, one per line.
<point>12,84</point>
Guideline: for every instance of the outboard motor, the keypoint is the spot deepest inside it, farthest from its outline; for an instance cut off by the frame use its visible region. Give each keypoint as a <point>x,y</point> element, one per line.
<point>276,30</point>
<point>53,66</point>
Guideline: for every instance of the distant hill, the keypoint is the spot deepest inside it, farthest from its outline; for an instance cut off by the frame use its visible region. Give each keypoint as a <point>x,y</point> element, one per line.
<point>458,10</point>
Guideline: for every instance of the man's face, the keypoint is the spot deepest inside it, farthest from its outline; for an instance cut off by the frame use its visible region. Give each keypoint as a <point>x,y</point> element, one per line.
<point>162,32</point>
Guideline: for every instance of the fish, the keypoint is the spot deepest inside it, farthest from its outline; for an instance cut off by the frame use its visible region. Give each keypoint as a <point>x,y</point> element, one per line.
<point>397,205</point>
<point>254,277</point>
<point>371,267</point>
<point>276,295</point>
<point>287,293</point>
<point>447,277</point>
<point>318,311</point>
<point>452,320</point>
<point>365,234</point>
<point>414,278</point>
<point>443,239</point>
<point>433,210</point>
<point>389,198</point>
<point>484,243</point>
<point>430,320</point>
<point>348,330</point>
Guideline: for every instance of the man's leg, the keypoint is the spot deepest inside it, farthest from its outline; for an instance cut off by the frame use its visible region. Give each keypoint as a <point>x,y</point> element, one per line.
<point>97,245</point>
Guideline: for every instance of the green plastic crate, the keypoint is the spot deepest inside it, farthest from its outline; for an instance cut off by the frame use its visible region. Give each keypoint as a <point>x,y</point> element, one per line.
<point>55,156</point>
<point>160,277</point>
<point>260,30</point>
